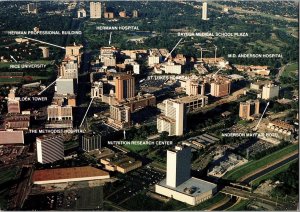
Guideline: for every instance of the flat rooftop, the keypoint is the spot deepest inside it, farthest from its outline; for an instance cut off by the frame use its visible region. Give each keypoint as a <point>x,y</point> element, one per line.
<point>197,186</point>
<point>67,173</point>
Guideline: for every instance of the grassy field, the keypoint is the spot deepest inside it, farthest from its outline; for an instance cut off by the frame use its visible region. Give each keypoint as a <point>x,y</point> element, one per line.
<point>257,181</point>
<point>136,148</point>
<point>290,69</point>
<point>251,166</point>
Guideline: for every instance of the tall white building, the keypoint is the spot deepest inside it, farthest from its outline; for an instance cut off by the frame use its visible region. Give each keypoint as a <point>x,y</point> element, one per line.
<point>95,10</point>
<point>178,165</point>
<point>179,184</point>
<point>204,11</point>
<point>173,119</point>
<point>50,148</point>
<point>270,91</point>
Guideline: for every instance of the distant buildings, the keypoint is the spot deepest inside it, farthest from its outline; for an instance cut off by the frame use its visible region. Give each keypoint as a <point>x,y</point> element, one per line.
<point>122,14</point>
<point>173,118</point>
<point>249,109</point>
<point>50,148</point>
<point>167,68</point>
<point>204,11</point>
<point>66,175</point>
<point>135,14</point>
<point>109,15</point>
<point>95,10</point>
<point>270,91</point>
<point>81,13</point>
<point>179,184</point>
<point>45,51</point>
<point>32,8</point>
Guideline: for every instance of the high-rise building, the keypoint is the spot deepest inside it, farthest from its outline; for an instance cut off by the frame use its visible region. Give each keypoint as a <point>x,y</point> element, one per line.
<point>204,11</point>
<point>125,86</point>
<point>191,88</point>
<point>179,184</point>
<point>220,87</point>
<point>270,91</point>
<point>178,165</point>
<point>13,102</point>
<point>59,113</point>
<point>32,8</point>
<point>173,119</point>
<point>248,109</point>
<point>95,10</point>
<point>119,116</point>
<point>50,148</point>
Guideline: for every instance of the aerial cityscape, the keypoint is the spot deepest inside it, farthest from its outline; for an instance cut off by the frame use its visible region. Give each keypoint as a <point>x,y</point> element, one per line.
<point>149,105</point>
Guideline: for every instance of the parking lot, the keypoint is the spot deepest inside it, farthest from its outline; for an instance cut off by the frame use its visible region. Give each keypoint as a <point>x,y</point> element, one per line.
<point>135,182</point>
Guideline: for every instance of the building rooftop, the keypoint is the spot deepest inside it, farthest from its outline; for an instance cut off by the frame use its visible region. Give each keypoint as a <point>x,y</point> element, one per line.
<point>192,187</point>
<point>67,173</point>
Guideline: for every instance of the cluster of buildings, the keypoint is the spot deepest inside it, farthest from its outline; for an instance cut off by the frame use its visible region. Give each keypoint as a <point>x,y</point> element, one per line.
<point>96,12</point>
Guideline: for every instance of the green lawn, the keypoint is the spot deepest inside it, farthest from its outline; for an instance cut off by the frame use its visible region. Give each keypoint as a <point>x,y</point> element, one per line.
<point>136,148</point>
<point>280,169</point>
<point>251,166</point>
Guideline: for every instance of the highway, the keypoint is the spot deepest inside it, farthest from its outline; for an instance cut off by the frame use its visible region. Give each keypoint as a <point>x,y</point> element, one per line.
<point>271,168</point>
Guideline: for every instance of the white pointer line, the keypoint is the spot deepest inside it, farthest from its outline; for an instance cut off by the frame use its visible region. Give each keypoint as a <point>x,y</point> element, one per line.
<point>45,42</point>
<point>173,49</point>
<point>261,116</point>
<point>86,111</point>
<point>47,87</point>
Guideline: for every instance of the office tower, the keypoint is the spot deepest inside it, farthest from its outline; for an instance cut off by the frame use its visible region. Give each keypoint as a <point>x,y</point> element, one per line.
<point>173,119</point>
<point>50,148</point>
<point>13,102</point>
<point>45,51</point>
<point>220,87</point>
<point>91,142</point>
<point>204,11</point>
<point>95,10</point>
<point>248,109</point>
<point>135,14</point>
<point>270,91</point>
<point>119,116</point>
<point>191,87</point>
<point>32,8</point>
<point>178,165</point>
<point>125,87</point>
